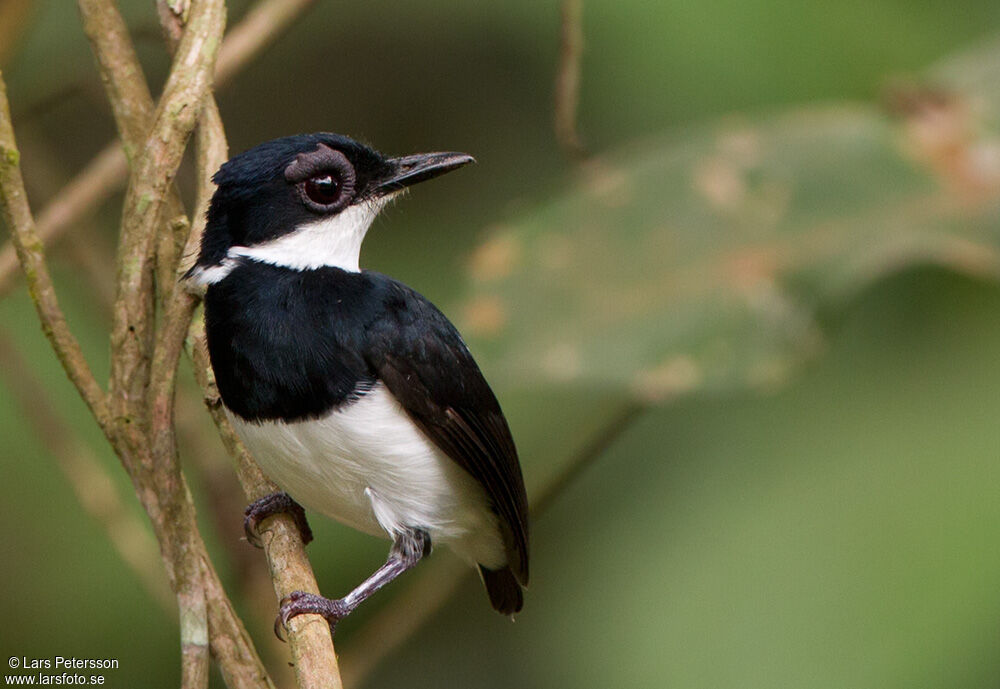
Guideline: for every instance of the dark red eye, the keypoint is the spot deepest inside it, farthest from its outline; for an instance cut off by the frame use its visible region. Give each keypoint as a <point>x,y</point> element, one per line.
<point>323,190</point>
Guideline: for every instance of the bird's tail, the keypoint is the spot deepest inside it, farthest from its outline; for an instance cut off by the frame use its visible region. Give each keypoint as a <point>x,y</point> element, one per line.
<point>505,592</point>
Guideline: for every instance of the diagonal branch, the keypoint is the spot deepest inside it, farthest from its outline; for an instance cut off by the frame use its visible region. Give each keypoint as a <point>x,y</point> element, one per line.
<point>31,254</point>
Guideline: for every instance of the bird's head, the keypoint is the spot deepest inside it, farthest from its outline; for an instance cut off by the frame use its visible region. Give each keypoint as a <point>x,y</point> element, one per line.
<point>304,202</point>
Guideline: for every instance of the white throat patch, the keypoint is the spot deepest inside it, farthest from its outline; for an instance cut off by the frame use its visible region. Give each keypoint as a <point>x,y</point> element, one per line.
<point>334,242</point>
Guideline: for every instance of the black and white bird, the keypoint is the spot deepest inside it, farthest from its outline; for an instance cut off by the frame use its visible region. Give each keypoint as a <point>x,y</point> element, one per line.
<point>352,391</point>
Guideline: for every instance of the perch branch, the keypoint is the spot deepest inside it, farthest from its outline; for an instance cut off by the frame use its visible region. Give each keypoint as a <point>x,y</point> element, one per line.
<point>309,639</point>
<point>205,610</point>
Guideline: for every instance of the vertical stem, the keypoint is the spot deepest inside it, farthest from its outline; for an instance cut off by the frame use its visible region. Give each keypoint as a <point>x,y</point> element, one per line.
<point>567,89</point>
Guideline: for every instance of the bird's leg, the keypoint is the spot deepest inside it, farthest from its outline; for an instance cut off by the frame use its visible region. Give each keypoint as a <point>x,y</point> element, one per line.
<point>407,549</point>
<point>268,505</point>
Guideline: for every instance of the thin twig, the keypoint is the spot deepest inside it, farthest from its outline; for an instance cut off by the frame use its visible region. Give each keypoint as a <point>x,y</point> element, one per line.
<point>386,631</point>
<point>150,181</point>
<point>567,89</point>
<point>31,254</point>
<point>107,171</point>
<point>90,255</point>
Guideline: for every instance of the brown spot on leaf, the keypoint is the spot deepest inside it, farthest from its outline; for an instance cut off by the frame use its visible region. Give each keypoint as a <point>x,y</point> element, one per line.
<point>555,251</point>
<point>721,182</point>
<point>741,146</point>
<point>943,131</point>
<point>497,257</point>
<point>748,268</point>
<point>484,316</point>
<point>670,379</point>
<point>608,184</point>
<point>562,362</point>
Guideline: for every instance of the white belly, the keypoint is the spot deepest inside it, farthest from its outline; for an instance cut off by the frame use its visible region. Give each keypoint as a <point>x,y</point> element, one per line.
<point>369,466</point>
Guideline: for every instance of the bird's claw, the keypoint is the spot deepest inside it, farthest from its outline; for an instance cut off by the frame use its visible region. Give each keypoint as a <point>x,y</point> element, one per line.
<point>301,603</point>
<point>274,503</point>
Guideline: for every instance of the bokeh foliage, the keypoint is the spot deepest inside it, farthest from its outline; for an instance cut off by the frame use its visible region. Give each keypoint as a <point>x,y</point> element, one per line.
<point>838,531</point>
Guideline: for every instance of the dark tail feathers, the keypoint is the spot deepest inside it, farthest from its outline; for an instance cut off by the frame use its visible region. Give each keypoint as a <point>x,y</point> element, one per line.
<point>505,592</point>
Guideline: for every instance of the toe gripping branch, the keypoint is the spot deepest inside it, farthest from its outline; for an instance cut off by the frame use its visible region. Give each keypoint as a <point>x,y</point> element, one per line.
<point>408,548</point>
<point>269,505</point>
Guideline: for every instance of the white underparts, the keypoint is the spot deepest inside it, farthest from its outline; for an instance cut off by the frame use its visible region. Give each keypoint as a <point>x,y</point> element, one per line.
<point>367,465</point>
<point>333,241</point>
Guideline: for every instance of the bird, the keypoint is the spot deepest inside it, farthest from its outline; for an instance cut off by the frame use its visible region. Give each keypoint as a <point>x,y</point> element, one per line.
<point>352,391</point>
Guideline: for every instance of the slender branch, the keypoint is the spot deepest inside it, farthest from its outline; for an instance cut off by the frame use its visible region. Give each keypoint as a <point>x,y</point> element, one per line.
<point>386,631</point>
<point>567,90</point>
<point>258,29</point>
<point>231,645</point>
<point>131,102</point>
<point>211,152</point>
<point>31,255</point>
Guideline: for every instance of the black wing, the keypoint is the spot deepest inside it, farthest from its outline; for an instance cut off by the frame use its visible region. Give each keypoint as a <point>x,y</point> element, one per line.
<point>423,361</point>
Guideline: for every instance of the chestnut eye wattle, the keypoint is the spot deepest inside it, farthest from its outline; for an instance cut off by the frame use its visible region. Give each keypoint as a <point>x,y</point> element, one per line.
<point>323,178</point>
<point>323,190</point>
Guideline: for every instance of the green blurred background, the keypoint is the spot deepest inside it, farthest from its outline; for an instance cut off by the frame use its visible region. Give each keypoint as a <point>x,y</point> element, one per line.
<point>809,497</point>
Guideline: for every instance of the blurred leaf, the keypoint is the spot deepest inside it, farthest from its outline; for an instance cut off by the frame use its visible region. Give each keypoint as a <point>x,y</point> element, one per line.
<point>702,260</point>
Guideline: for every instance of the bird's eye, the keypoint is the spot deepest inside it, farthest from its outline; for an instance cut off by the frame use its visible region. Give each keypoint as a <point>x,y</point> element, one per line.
<point>324,179</point>
<point>323,190</point>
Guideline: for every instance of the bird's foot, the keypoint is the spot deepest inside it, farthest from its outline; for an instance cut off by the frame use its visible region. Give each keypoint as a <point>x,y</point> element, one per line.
<point>301,603</point>
<point>268,505</point>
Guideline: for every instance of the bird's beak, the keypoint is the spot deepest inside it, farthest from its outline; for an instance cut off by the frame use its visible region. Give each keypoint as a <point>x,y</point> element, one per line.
<point>409,170</point>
